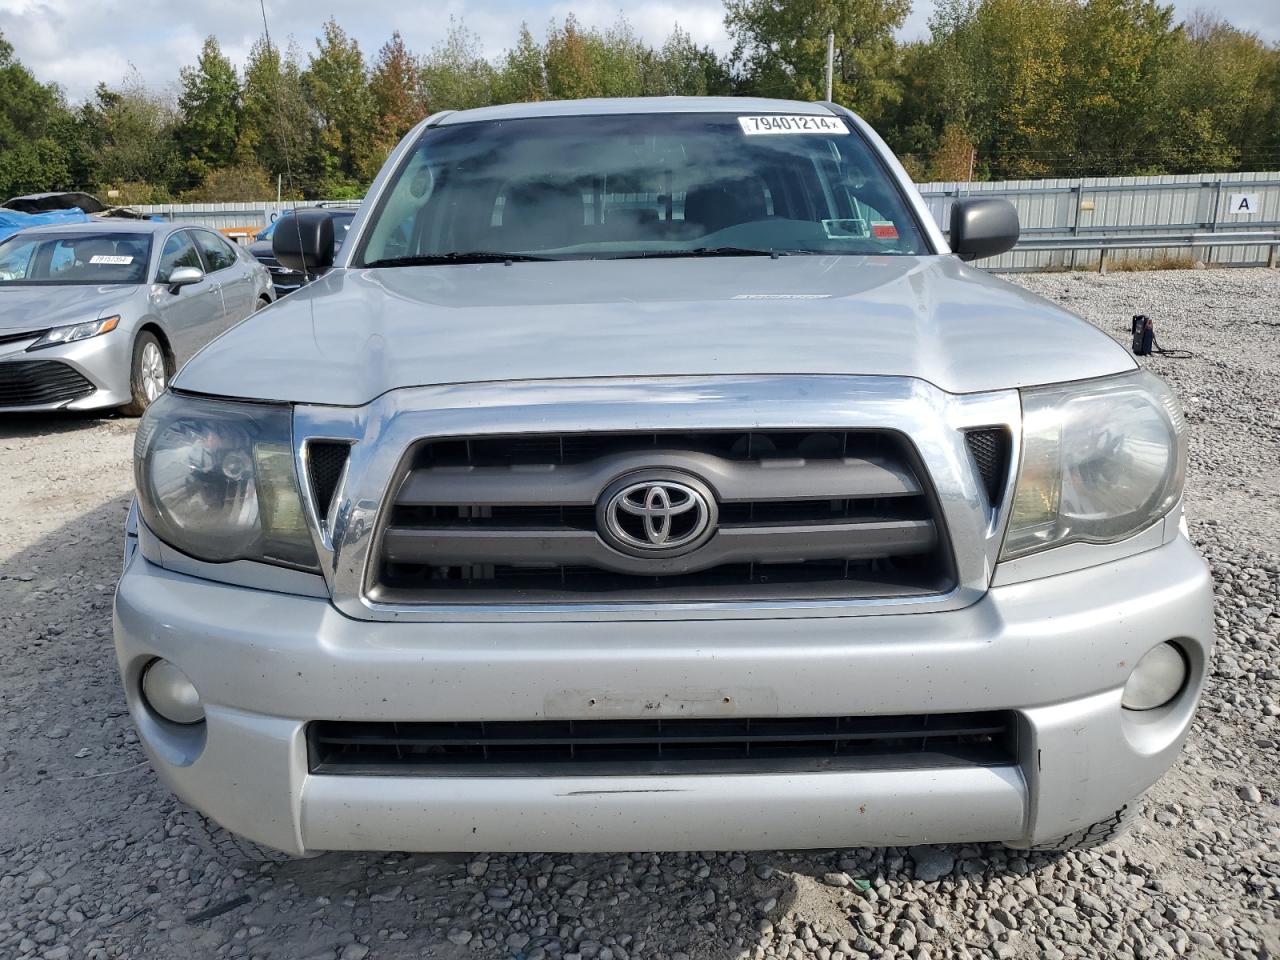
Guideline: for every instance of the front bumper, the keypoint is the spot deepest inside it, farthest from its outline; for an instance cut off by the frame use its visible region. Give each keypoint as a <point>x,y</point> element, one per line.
<point>1057,650</point>
<point>101,361</point>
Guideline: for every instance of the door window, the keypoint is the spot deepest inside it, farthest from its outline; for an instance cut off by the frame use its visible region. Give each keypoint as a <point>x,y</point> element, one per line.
<point>178,251</point>
<point>217,253</point>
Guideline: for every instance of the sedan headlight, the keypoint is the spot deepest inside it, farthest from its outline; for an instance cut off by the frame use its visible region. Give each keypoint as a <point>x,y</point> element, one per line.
<point>216,480</point>
<point>1101,460</point>
<point>76,331</point>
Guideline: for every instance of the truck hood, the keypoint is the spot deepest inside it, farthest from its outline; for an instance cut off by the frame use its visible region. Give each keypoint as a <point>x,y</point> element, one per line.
<point>358,333</point>
<point>39,307</point>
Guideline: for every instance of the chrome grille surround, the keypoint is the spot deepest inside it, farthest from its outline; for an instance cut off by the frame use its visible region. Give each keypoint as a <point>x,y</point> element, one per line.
<point>385,431</point>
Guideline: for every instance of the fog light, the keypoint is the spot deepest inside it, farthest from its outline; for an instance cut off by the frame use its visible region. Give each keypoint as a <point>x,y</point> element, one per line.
<point>169,693</point>
<point>1157,679</point>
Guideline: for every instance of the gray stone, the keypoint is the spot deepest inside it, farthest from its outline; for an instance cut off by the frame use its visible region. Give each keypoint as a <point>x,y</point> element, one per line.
<point>932,863</point>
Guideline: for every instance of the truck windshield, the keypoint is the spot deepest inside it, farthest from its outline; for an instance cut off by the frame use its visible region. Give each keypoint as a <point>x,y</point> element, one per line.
<point>651,185</point>
<point>74,258</point>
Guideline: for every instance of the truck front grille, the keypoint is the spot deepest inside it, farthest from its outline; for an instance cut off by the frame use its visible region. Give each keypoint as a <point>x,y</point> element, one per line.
<point>653,746</point>
<point>31,383</point>
<point>797,515</point>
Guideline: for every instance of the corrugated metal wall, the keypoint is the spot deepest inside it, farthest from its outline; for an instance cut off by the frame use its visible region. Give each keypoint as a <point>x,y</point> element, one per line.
<point>1076,208</point>
<point>229,216</point>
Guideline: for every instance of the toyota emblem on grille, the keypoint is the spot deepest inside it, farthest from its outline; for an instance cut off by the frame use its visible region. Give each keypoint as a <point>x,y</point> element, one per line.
<point>655,515</point>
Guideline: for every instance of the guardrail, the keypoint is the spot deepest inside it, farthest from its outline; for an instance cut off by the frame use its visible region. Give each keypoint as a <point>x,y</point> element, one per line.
<point>1187,241</point>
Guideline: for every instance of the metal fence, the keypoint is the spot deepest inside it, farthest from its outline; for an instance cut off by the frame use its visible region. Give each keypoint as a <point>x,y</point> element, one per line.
<point>1066,224</point>
<point>1078,222</point>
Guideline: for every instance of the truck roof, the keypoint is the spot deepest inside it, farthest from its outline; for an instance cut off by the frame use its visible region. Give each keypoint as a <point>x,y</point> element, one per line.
<point>624,105</point>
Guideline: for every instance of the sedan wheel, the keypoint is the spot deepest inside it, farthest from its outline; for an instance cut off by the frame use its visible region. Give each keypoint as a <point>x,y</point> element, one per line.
<point>153,373</point>
<point>148,375</point>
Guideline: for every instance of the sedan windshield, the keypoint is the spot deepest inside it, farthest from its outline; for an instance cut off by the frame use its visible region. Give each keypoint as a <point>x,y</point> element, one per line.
<point>652,185</point>
<point>74,258</point>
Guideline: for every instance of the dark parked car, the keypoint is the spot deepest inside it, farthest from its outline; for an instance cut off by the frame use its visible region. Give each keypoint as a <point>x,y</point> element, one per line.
<point>285,279</point>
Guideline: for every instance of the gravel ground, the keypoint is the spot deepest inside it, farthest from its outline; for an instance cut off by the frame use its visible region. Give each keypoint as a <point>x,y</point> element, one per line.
<point>93,862</point>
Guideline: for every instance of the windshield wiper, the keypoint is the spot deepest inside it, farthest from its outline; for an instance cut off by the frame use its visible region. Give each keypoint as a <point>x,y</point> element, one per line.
<point>706,252</point>
<point>471,256</point>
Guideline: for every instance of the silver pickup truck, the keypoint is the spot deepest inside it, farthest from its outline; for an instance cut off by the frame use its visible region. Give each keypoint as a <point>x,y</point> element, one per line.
<point>653,475</point>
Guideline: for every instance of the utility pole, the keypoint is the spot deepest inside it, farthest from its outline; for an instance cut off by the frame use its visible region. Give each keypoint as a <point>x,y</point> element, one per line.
<point>831,60</point>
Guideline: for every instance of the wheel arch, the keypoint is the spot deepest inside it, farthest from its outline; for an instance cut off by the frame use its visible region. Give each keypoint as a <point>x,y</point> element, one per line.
<point>154,328</point>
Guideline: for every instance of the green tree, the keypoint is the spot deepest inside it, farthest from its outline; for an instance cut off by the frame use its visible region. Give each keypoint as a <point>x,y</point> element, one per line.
<point>337,87</point>
<point>522,78</point>
<point>1260,141</point>
<point>1213,91</point>
<point>598,63</point>
<point>233,184</point>
<point>276,128</point>
<point>781,46</point>
<point>955,155</point>
<point>34,149</point>
<point>1022,120</point>
<point>1110,80</point>
<point>209,106</point>
<point>396,88</point>
<point>682,68</point>
<point>455,73</point>
<point>911,127</point>
<point>571,66</point>
<point>129,133</point>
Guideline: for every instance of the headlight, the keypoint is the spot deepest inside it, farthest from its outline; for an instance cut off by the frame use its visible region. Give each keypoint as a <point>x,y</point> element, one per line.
<point>216,480</point>
<point>77,331</point>
<point>1101,460</point>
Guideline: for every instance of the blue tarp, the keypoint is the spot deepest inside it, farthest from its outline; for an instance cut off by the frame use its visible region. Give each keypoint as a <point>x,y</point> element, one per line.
<point>11,221</point>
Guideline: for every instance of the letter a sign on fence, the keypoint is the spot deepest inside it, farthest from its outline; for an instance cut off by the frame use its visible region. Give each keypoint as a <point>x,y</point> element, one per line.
<point>1244,204</point>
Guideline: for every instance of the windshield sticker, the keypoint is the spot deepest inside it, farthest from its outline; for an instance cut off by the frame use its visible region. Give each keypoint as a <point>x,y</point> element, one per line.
<point>883,230</point>
<point>776,123</point>
<point>111,261</point>
<point>847,229</point>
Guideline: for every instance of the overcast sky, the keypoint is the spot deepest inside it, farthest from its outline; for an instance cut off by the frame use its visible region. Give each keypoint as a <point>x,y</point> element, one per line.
<point>78,43</point>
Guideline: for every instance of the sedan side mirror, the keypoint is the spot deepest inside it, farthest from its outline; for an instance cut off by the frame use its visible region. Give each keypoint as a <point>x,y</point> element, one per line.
<point>181,277</point>
<point>303,241</point>
<point>983,228</point>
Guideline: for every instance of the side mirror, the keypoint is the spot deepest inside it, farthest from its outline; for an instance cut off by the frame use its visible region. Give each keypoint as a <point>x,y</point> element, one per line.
<point>181,277</point>
<point>983,228</point>
<point>303,240</point>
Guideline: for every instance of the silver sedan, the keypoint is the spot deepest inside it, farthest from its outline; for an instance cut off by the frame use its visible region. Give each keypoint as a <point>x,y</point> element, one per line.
<point>97,315</point>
